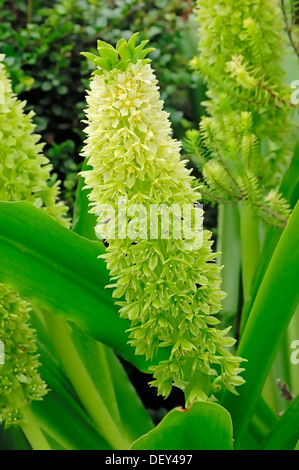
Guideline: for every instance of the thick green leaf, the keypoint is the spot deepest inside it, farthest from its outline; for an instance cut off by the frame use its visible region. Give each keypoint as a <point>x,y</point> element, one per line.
<point>59,271</point>
<point>70,426</point>
<point>13,438</point>
<point>60,420</point>
<point>262,422</point>
<point>272,237</point>
<point>290,190</point>
<point>93,355</point>
<point>83,221</point>
<point>290,183</point>
<point>285,433</point>
<point>274,305</point>
<point>205,426</point>
<point>129,403</point>
<point>228,243</point>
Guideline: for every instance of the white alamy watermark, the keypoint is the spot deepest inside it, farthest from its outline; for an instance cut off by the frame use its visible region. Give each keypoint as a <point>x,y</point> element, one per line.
<point>295,353</point>
<point>2,353</point>
<point>127,220</point>
<point>295,94</point>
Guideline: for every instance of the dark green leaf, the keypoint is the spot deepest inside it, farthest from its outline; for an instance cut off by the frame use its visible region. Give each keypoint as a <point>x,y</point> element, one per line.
<point>205,426</point>
<point>59,271</point>
<point>274,305</point>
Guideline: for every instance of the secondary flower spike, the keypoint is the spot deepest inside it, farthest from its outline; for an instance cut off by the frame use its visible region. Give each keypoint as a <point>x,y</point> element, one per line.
<point>169,290</point>
<point>20,382</point>
<point>24,172</point>
<point>246,141</point>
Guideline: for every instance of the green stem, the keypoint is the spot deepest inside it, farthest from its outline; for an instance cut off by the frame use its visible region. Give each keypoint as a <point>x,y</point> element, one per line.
<point>262,422</point>
<point>28,423</point>
<point>29,11</point>
<point>32,431</point>
<point>82,383</point>
<point>265,413</point>
<point>257,429</point>
<point>102,351</point>
<point>269,394</point>
<point>250,248</point>
<point>271,239</point>
<point>229,246</point>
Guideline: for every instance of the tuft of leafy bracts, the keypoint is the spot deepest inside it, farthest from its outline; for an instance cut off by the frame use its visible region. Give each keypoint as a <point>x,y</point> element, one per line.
<point>169,287</point>
<point>245,142</point>
<point>24,172</point>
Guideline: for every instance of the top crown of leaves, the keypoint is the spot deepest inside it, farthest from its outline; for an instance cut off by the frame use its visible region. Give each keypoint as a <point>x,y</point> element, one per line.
<point>125,53</point>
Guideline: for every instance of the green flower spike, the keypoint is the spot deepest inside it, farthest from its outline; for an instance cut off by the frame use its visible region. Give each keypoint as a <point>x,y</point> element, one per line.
<point>246,143</point>
<point>24,172</point>
<point>20,381</point>
<point>169,290</point>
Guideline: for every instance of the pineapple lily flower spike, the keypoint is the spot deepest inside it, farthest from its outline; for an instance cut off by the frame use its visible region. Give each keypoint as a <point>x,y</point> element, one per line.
<point>169,290</point>
<point>246,141</point>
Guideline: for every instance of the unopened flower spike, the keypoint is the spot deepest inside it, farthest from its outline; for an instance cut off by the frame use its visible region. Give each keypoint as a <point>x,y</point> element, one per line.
<point>20,382</point>
<point>168,286</point>
<point>24,172</point>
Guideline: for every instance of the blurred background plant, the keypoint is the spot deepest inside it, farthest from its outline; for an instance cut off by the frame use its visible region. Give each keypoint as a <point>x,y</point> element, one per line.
<point>42,41</point>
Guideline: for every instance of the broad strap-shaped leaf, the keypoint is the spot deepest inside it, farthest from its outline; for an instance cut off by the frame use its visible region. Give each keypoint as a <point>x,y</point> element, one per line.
<point>285,433</point>
<point>290,182</point>
<point>60,415</point>
<point>59,271</point>
<point>228,244</point>
<point>205,426</point>
<point>273,308</point>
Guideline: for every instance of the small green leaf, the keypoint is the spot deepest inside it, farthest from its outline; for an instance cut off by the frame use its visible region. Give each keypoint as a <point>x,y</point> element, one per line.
<point>108,53</point>
<point>101,44</point>
<point>103,63</point>
<point>140,47</point>
<point>122,64</point>
<point>144,53</point>
<point>90,56</point>
<point>153,262</point>
<point>131,43</point>
<point>124,52</point>
<point>204,426</point>
<point>134,311</point>
<point>120,43</point>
